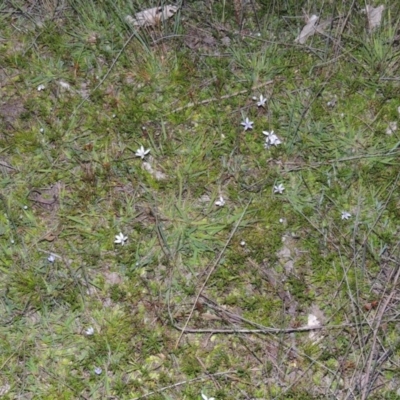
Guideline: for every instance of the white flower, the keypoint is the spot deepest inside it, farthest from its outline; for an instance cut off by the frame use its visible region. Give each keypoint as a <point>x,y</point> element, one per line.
<point>345,215</point>
<point>51,258</point>
<point>262,101</point>
<point>271,139</point>
<point>120,239</point>
<point>41,130</point>
<point>89,331</point>
<point>206,398</point>
<point>274,140</point>
<point>242,243</point>
<point>41,87</point>
<point>279,188</point>
<point>98,370</point>
<point>220,202</point>
<point>247,124</point>
<point>141,152</point>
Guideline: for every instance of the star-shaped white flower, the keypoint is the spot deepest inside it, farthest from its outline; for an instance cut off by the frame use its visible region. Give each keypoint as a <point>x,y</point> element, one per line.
<point>279,188</point>
<point>262,101</point>
<point>271,139</point>
<point>51,258</point>
<point>206,398</point>
<point>274,140</point>
<point>89,331</point>
<point>220,202</point>
<point>141,152</point>
<point>345,215</point>
<point>120,239</point>
<point>247,124</point>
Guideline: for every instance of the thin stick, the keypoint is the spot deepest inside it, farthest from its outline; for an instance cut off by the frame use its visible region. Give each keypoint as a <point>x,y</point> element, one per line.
<point>270,329</point>
<point>214,267</point>
<point>226,96</point>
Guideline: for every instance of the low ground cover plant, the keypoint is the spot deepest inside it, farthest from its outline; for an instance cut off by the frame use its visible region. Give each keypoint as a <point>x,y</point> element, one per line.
<point>199,200</point>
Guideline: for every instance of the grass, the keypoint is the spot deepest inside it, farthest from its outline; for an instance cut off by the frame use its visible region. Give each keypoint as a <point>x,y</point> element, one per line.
<point>201,298</point>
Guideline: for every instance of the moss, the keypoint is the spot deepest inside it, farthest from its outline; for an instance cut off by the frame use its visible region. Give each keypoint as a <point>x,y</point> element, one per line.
<point>185,98</point>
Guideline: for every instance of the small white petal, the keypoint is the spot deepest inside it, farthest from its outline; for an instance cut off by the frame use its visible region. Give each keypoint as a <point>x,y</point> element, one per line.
<point>89,331</point>
<point>271,139</point>
<point>51,258</point>
<point>279,188</point>
<point>120,239</point>
<point>247,124</point>
<point>141,152</point>
<point>220,202</point>
<point>345,215</point>
<point>98,370</point>
<point>41,87</point>
<point>274,140</point>
<point>262,101</point>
